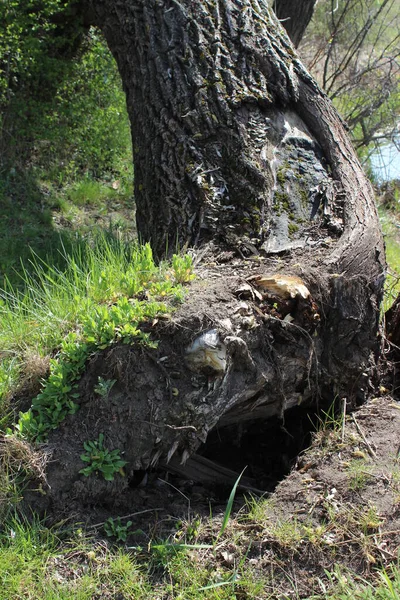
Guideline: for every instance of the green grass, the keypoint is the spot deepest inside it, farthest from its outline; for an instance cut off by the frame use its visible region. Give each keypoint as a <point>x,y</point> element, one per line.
<point>391,235</point>
<point>385,587</point>
<point>38,562</point>
<point>54,301</point>
<point>90,192</point>
<point>35,563</point>
<point>41,217</point>
<point>68,313</point>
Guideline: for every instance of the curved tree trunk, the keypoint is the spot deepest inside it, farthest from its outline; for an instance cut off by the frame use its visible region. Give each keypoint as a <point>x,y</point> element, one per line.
<point>236,147</point>
<point>216,95</point>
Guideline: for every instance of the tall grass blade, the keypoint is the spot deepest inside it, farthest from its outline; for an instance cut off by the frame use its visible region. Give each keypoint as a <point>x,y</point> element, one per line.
<point>228,509</point>
<point>212,586</point>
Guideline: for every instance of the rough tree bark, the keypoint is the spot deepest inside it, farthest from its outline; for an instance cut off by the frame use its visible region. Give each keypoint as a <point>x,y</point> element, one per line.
<point>294,15</point>
<point>235,147</point>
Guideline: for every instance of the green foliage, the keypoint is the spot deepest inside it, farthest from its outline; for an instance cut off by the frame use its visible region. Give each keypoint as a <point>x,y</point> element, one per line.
<point>95,299</point>
<point>65,148</point>
<point>115,528</point>
<point>351,47</point>
<point>86,127</point>
<point>63,104</point>
<point>65,141</point>
<point>99,459</point>
<point>28,29</point>
<point>57,399</point>
<point>183,268</point>
<point>95,276</point>
<point>107,324</point>
<point>104,387</point>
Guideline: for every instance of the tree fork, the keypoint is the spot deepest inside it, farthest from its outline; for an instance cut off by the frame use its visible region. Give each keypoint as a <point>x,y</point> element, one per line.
<point>294,15</point>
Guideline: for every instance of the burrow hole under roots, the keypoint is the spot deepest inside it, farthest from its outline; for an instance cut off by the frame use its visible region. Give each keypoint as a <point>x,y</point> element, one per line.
<point>266,450</point>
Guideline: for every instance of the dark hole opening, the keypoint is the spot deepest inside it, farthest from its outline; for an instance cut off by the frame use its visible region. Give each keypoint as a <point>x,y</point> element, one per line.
<point>267,449</point>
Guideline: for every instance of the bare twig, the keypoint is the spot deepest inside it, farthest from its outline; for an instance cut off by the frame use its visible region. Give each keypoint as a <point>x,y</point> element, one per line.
<point>135,514</point>
<point>181,428</point>
<point>360,431</point>
<point>344,405</point>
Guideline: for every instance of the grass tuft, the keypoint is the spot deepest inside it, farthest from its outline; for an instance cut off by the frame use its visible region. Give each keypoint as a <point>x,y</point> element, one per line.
<point>107,289</point>
<point>34,563</point>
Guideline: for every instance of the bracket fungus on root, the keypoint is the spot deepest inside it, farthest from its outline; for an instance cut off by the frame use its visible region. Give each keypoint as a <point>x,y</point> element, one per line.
<point>284,297</point>
<point>281,286</point>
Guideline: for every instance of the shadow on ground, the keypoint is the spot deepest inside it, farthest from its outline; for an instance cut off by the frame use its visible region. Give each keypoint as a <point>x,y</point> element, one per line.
<point>35,221</point>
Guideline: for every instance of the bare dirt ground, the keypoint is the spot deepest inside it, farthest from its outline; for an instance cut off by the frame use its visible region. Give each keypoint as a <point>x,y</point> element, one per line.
<point>344,499</point>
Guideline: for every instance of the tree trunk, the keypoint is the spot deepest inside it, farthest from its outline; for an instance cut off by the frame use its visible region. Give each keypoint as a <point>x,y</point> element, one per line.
<point>235,147</point>
<point>217,98</point>
<point>295,16</point>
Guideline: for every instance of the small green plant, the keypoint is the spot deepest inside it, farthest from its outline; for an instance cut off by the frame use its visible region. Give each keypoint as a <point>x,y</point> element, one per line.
<point>59,394</point>
<point>101,460</point>
<point>106,325</point>
<point>330,419</point>
<point>183,268</point>
<point>191,531</point>
<point>370,520</point>
<point>359,474</point>
<point>316,535</point>
<point>115,528</point>
<point>228,510</point>
<point>104,387</point>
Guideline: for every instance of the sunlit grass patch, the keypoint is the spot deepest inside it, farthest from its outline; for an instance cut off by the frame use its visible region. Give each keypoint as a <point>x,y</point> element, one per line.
<point>35,563</point>
<point>391,234</point>
<point>106,291</point>
<point>38,562</point>
<point>197,574</point>
<point>347,586</point>
<point>54,301</point>
<point>89,191</point>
